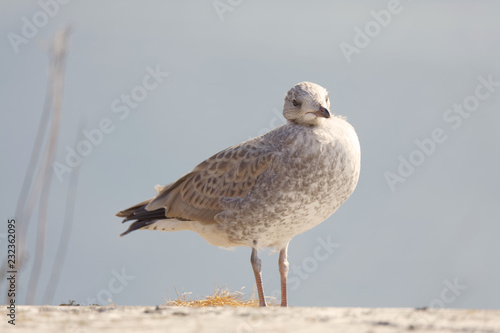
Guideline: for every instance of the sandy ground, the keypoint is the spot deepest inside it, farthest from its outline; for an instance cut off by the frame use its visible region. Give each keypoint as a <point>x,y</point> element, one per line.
<point>79,319</point>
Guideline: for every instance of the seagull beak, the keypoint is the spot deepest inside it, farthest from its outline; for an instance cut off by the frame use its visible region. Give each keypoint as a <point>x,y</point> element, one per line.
<point>322,112</point>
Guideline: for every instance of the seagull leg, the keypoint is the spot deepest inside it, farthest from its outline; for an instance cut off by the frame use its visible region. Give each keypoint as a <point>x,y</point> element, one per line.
<point>257,271</point>
<point>283,265</point>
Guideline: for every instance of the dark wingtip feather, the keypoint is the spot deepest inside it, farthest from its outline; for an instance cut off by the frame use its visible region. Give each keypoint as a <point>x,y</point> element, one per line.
<point>139,224</point>
<point>120,214</point>
<point>142,216</point>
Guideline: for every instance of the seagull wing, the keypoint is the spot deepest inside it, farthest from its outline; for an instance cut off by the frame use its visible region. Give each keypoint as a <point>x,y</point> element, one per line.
<point>230,173</point>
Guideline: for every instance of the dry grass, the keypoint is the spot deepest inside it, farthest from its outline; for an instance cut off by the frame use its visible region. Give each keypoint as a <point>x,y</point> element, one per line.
<point>220,297</point>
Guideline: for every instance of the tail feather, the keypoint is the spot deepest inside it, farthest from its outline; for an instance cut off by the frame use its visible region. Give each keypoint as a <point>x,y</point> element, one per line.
<point>137,225</point>
<point>142,216</point>
<point>127,213</point>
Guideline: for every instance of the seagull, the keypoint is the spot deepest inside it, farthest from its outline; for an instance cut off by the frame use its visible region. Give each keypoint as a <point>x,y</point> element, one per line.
<point>264,191</point>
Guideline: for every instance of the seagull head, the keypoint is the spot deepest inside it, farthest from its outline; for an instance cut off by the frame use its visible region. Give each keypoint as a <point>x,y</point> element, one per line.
<point>307,103</point>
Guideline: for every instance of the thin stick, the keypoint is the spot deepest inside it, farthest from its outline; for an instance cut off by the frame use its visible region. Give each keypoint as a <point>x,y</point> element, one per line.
<point>59,54</point>
<point>25,193</point>
<point>66,230</point>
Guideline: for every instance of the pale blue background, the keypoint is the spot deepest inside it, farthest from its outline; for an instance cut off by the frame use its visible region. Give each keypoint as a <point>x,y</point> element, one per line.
<point>226,83</point>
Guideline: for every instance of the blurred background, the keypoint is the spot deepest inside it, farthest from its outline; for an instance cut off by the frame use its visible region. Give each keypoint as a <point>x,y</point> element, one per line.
<point>168,84</point>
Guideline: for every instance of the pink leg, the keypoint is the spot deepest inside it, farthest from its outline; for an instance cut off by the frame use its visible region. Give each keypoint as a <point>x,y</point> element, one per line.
<point>257,271</point>
<point>283,265</point>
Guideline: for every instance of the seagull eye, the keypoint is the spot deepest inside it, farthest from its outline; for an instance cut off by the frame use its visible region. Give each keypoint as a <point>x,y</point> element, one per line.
<point>294,102</point>
<point>326,99</point>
